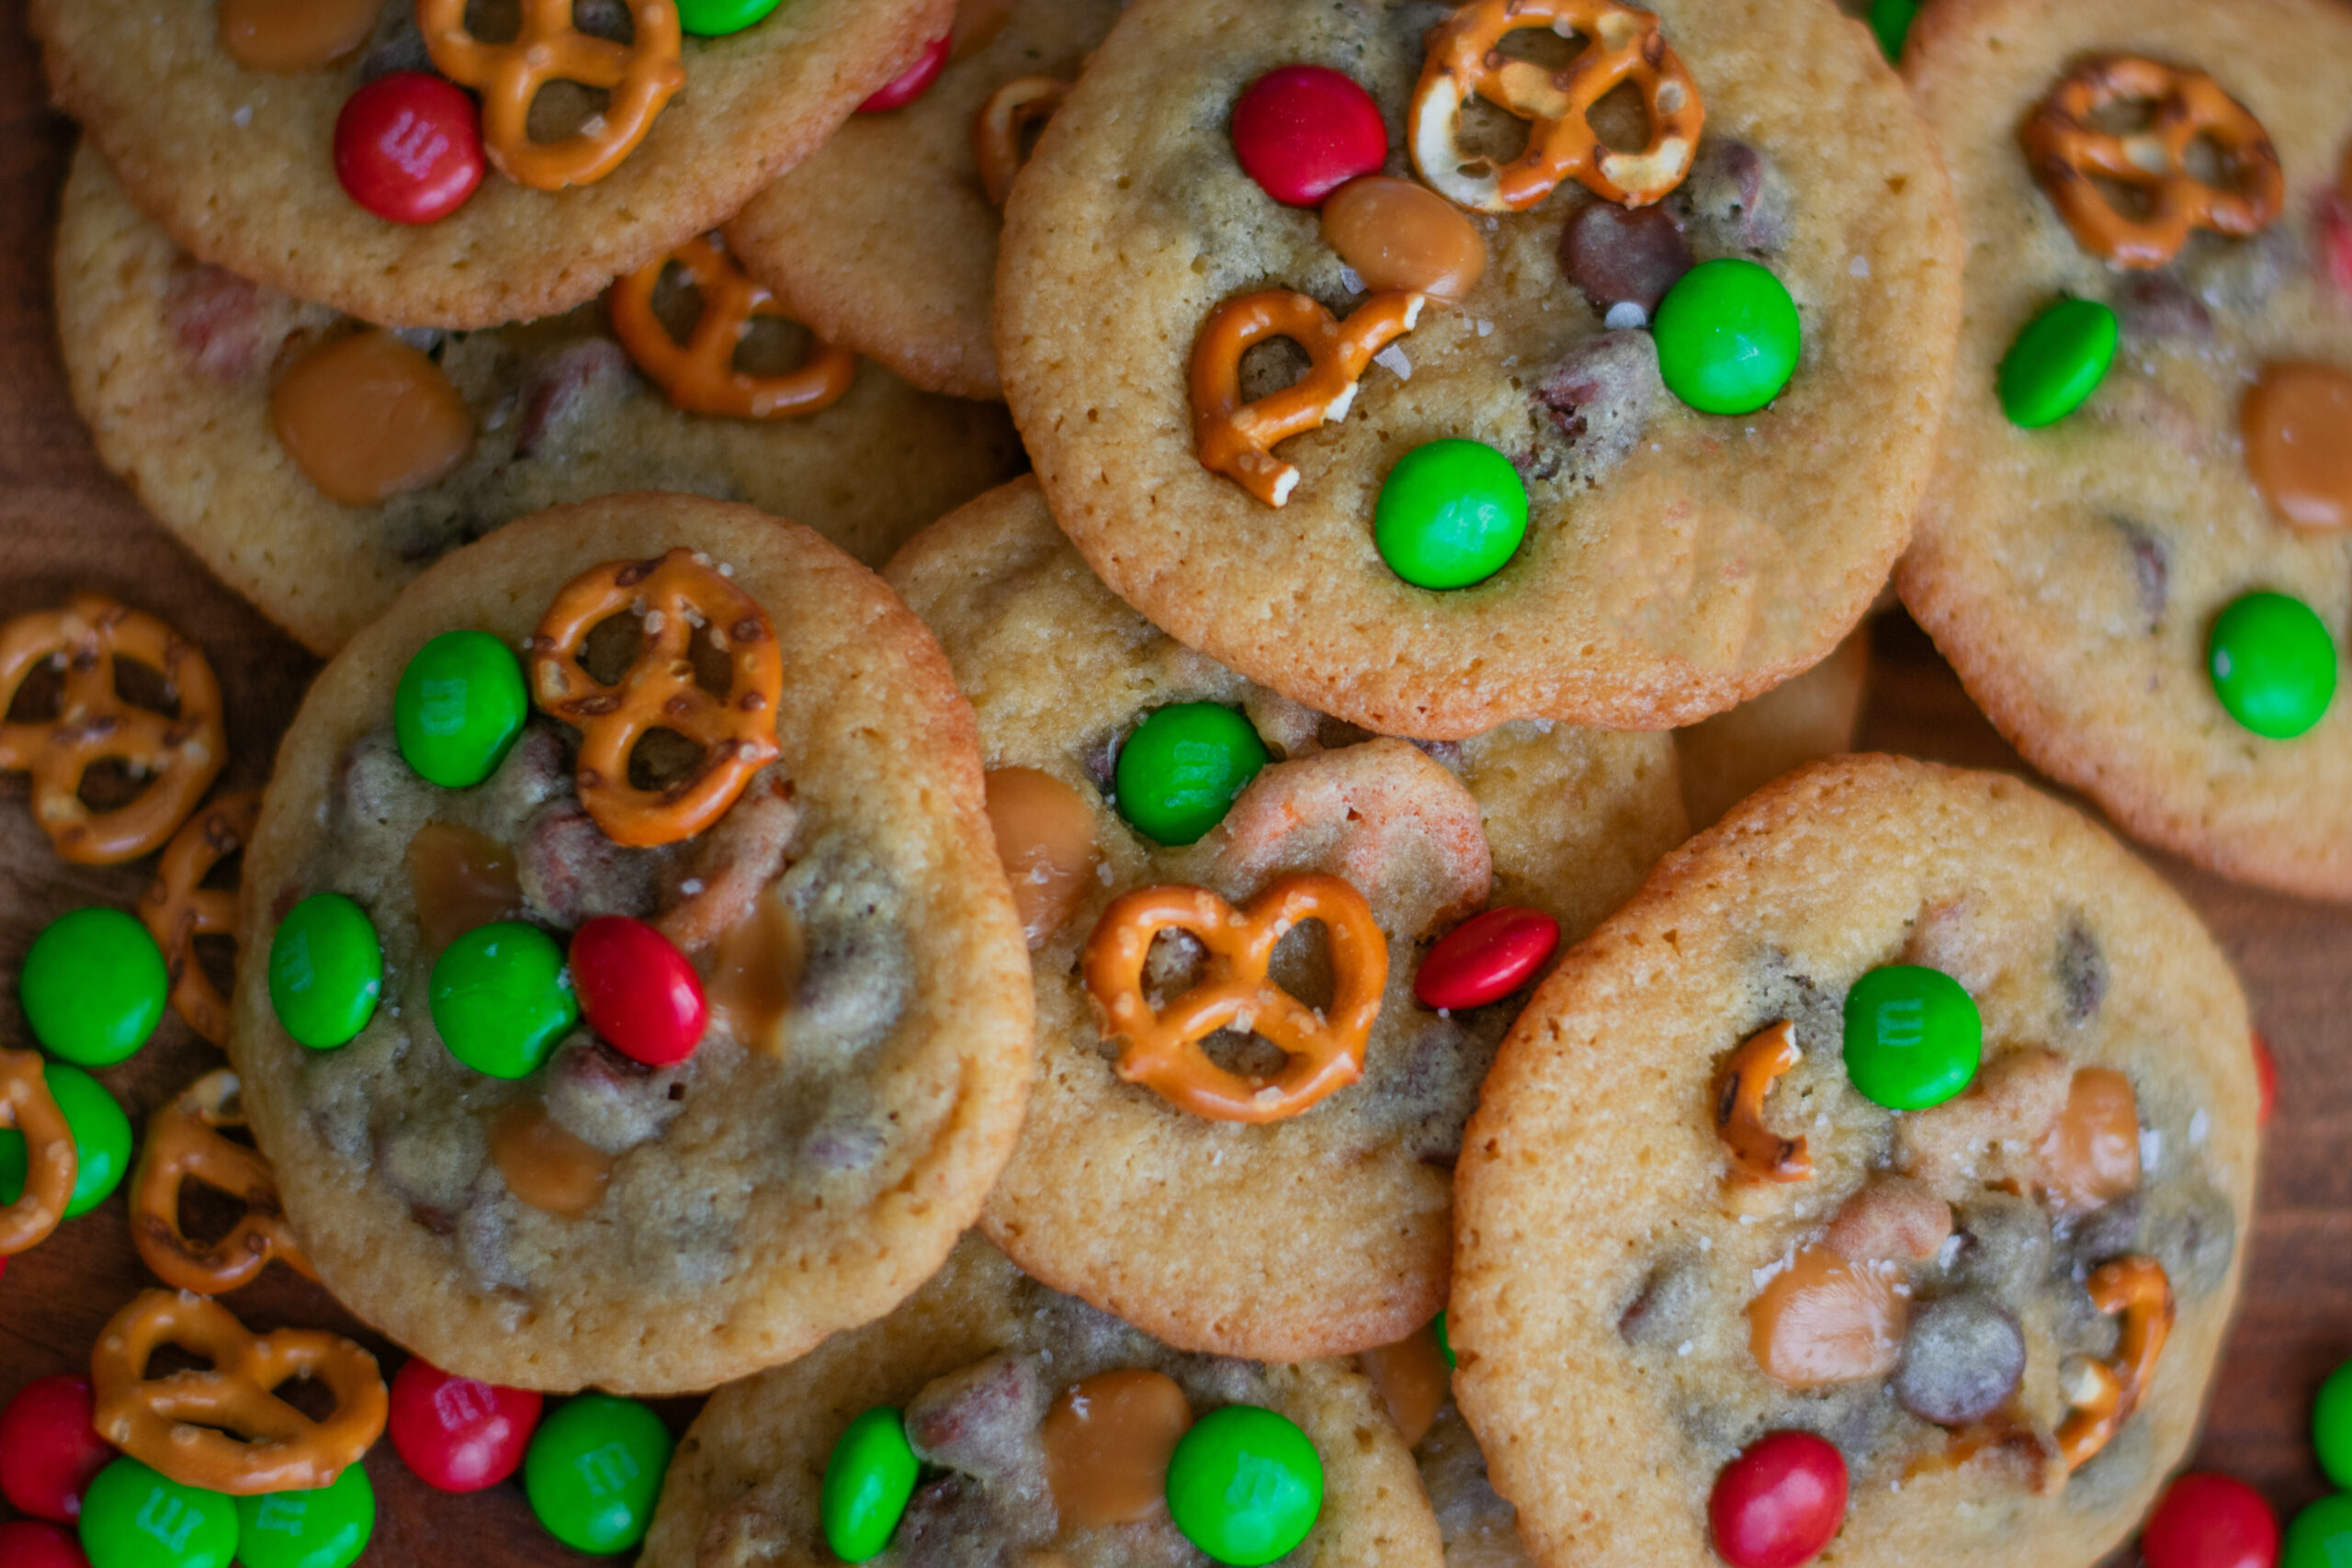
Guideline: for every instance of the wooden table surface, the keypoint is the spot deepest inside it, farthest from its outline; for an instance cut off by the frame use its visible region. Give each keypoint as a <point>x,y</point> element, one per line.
<point>65,523</point>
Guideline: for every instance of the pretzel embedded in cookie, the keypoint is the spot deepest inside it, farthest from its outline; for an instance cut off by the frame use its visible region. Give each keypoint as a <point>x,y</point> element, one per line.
<point>177,908</point>
<point>222,1428</point>
<point>1163,1053</point>
<point>2070,155</point>
<point>1622,44</point>
<point>639,78</point>
<point>52,1158</point>
<point>1236,438</point>
<point>673,596</point>
<point>2102,1394</point>
<point>700,375</point>
<point>1759,1154</point>
<point>179,754</point>
<point>997,128</point>
<point>184,1142</point>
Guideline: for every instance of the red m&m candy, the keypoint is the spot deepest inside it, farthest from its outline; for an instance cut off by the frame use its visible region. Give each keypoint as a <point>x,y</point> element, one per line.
<point>1302,132</point>
<point>637,990</point>
<point>1486,958</point>
<point>1780,1503</point>
<point>2266,1077</point>
<point>49,1448</point>
<point>911,84</point>
<point>456,1434</point>
<point>24,1544</point>
<point>407,147</point>
<point>2206,1520</point>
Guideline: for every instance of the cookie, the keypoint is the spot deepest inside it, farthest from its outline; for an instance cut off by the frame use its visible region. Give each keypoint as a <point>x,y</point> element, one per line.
<point>1959,1310</point>
<point>885,240</point>
<point>974,1361</point>
<point>1674,563</point>
<point>241,164</point>
<point>175,363</point>
<point>1729,757</point>
<point>1321,1227</point>
<point>2077,573</point>
<point>518,1201</point>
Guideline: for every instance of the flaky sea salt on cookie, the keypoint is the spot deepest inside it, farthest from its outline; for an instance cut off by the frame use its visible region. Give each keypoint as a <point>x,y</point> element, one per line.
<point>1883,1172</point>
<point>1436,386</point>
<point>632,996</point>
<point>1272,952</point>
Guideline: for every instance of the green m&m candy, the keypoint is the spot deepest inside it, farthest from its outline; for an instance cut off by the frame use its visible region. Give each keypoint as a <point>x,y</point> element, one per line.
<point>1444,1344</point>
<point>325,1528</point>
<point>716,19</point>
<point>459,706</point>
<point>2321,1536</point>
<point>93,985</point>
<point>2272,664</point>
<point>1450,514</point>
<point>1913,1037</point>
<point>1891,20</point>
<point>2057,362</point>
<point>326,970</point>
<point>132,1518</point>
<point>1179,773</point>
<point>1245,1485</point>
<point>2332,1426</point>
<point>1728,336</point>
<point>101,1141</point>
<point>593,1472</point>
<point>868,1481</point>
<point>502,997</point>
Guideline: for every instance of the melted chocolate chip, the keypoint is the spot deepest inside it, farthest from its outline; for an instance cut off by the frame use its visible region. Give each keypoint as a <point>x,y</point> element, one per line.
<point>2082,972</point>
<point>1963,1358</point>
<point>1617,253</point>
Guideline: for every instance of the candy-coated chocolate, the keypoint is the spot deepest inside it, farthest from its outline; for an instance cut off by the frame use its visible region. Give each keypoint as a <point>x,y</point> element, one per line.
<point>2208,1520</point>
<point>36,1543</point>
<point>716,19</point>
<point>1913,1036</point>
<point>1444,1341</point>
<point>1181,770</point>
<point>1452,512</point>
<point>284,37</point>
<point>595,1470</point>
<point>1045,836</point>
<point>1728,336</point>
<point>326,971</point>
<point>1486,958</point>
<point>2298,426</point>
<point>327,1528</point>
<point>93,987</point>
<point>2272,664</point>
<point>868,1481</point>
<point>2057,361</point>
<point>1401,235</point>
<point>1890,22</point>
<point>913,82</point>
<point>2332,1426</point>
<point>101,1141</point>
<point>456,1434</point>
<point>1302,132</point>
<point>502,997</point>
<point>2266,1077</point>
<point>367,417</point>
<point>458,708</point>
<point>1780,1503</point>
<point>132,1518</point>
<point>637,990</point>
<point>407,147</point>
<point>2321,1536</point>
<point>49,1450</point>
<point>1245,1485</point>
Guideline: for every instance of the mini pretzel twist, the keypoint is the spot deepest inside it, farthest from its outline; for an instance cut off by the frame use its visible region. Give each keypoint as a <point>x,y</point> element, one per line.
<point>183,1142</point>
<point>221,1429</point>
<point>995,131</point>
<point>639,76</point>
<point>2108,1391</point>
<point>177,908</point>
<point>51,1160</point>
<point>1236,439</point>
<point>1759,1154</point>
<point>672,595</point>
<point>700,375</point>
<point>1164,1051</point>
<point>94,724</point>
<point>1464,59</point>
<point>2066,151</point>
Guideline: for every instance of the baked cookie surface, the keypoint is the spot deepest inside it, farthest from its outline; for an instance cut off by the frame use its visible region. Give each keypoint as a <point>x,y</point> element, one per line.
<point>174,363</point>
<point>744,1486</point>
<point>862,1077</point>
<point>885,240</point>
<point>1674,563</point>
<point>1931,1289</point>
<point>2074,574</point>
<point>1726,758</point>
<point>239,163</point>
<point>1326,1230</point>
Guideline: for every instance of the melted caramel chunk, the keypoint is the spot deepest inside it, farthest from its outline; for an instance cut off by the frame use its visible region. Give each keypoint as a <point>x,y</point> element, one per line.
<point>1413,1381</point>
<point>368,417</point>
<point>2298,425</point>
<point>758,963</point>
<point>1045,835</point>
<point>1398,235</point>
<point>287,36</point>
<point>1107,1446</point>
<point>1823,1320</point>
<point>545,1165</point>
<point>1890,1220</point>
<point>460,879</point>
<point>2091,1154</point>
<point>978,22</point>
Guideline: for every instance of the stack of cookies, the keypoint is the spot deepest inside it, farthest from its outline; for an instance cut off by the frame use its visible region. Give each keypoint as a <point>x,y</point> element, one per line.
<point>1166,1008</point>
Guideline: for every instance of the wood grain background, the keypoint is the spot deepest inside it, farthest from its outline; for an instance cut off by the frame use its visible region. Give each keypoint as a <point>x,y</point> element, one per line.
<point>65,523</point>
